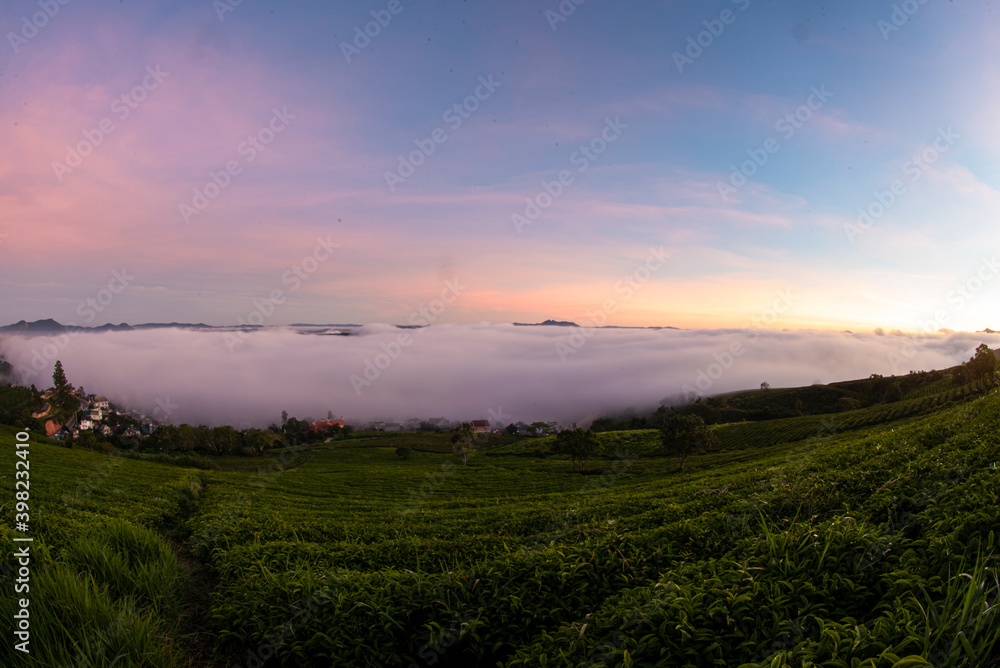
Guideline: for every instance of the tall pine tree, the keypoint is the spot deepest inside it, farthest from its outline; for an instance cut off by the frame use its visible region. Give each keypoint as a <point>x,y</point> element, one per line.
<point>61,385</point>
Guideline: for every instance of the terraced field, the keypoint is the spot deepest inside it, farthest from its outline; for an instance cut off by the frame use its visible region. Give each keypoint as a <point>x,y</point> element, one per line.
<point>872,548</point>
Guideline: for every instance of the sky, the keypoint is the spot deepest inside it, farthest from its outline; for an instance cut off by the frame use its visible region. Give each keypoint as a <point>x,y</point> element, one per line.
<point>811,165</point>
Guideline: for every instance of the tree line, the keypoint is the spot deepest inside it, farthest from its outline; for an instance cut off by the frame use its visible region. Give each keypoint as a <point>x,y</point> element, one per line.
<point>681,435</point>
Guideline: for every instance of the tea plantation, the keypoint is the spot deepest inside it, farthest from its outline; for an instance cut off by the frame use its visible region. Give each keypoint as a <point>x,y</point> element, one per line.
<point>801,545</point>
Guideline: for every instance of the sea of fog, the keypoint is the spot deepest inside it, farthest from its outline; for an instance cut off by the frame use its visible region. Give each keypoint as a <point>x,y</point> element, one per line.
<point>503,373</point>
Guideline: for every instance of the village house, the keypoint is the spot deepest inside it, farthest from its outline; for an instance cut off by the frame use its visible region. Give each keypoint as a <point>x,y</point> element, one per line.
<point>441,424</point>
<point>321,425</point>
<point>481,426</point>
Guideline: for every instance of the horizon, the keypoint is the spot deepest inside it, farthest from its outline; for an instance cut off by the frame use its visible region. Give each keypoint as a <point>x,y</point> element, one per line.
<point>514,163</point>
<point>548,322</point>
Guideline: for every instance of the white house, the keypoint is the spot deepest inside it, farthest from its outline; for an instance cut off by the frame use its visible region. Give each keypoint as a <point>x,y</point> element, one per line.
<point>86,423</point>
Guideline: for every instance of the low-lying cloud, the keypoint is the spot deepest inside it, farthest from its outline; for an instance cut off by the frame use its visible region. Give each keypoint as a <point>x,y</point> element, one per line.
<point>461,372</point>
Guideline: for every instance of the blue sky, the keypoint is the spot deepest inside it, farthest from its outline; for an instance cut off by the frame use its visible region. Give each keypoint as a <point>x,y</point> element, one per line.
<point>891,94</point>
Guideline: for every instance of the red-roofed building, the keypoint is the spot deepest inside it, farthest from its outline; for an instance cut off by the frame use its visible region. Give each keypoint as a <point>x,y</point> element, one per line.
<point>323,425</point>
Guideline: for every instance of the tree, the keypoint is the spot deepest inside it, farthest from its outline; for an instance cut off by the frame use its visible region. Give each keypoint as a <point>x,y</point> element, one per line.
<point>683,435</point>
<point>256,441</point>
<point>284,418</point>
<point>204,438</point>
<point>187,437</point>
<point>765,386</point>
<point>984,365</point>
<point>464,441</point>
<point>894,393</point>
<point>579,445</point>
<point>87,440</point>
<point>539,428</point>
<point>604,424</point>
<point>166,438</point>
<point>226,440</point>
<point>658,420</point>
<point>63,396</point>
<point>848,403</point>
<point>298,430</point>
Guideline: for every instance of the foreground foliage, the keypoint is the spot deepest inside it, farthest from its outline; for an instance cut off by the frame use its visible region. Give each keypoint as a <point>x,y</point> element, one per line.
<point>873,548</point>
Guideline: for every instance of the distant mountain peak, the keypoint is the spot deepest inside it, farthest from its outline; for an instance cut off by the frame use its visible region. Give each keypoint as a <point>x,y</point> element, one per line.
<point>547,323</point>
<point>47,325</point>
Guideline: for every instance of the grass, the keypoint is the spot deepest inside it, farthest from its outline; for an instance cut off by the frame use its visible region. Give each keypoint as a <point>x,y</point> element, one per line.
<point>873,548</point>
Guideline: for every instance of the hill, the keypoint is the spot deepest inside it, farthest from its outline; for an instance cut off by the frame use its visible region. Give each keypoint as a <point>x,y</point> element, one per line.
<point>840,397</point>
<point>49,326</point>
